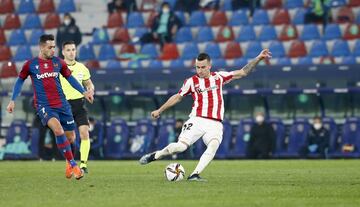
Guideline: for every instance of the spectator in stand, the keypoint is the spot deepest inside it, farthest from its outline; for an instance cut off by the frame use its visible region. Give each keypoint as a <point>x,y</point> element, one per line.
<point>251,4</point>
<point>209,4</point>
<point>68,31</point>
<point>318,11</point>
<point>122,5</point>
<point>187,5</point>
<point>164,27</point>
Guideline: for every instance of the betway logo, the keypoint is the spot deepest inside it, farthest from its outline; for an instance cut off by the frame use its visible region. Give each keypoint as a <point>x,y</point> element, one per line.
<point>47,75</point>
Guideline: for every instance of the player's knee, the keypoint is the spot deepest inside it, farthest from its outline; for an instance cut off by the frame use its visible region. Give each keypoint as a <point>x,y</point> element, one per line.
<point>213,145</point>
<point>84,135</point>
<point>177,147</point>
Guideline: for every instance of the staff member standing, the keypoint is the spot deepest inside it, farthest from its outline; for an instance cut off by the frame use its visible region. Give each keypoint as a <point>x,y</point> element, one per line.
<point>76,99</point>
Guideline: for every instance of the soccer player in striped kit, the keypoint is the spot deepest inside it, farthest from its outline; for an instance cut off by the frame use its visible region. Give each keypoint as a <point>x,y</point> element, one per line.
<point>49,99</point>
<point>207,112</point>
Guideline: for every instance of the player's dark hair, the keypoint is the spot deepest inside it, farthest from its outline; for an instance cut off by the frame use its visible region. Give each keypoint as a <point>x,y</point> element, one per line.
<point>46,37</point>
<point>317,118</point>
<point>70,42</point>
<point>203,56</point>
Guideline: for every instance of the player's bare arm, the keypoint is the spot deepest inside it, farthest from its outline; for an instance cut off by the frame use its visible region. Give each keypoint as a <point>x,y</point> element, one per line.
<point>89,85</point>
<point>169,103</point>
<point>89,96</point>
<point>248,68</point>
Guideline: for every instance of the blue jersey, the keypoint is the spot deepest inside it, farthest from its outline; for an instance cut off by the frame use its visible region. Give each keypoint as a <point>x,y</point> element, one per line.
<point>45,79</point>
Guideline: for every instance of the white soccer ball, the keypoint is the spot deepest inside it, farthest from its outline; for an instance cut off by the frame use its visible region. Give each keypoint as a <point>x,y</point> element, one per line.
<point>174,172</point>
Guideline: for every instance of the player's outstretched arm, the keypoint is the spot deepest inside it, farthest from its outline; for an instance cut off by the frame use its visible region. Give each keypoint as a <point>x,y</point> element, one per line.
<point>75,84</point>
<point>16,91</point>
<point>89,85</point>
<point>169,103</point>
<point>248,68</point>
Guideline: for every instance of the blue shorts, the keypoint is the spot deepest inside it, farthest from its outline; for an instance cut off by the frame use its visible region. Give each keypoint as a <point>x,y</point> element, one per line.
<point>63,114</point>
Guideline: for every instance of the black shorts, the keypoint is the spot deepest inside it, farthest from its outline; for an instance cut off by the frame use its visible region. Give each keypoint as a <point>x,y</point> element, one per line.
<point>79,111</point>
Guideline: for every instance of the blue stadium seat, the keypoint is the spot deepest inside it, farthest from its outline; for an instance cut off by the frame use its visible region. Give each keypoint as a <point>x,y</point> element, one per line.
<point>277,49</point>
<point>35,35</point>
<point>197,18</point>
<point>227,5</point>
<point>23,52</point>
<point>349,60</point>
<point>205,34</point>
<point>98,143</point>
<point>166,133</point>
<point>305,61</point>
<point>240,62</point>
<point>224,147</point>
<point>279,129</point>
<point>184,35</point>
<point>358,18</point>
<point>86,52</point>
<point>299,16</point>
<point>140,31</point>
<point>135,19</point>
<point>26,6</point>
<point>100,36</point>
<point>32,21</point>
<point>356,51</point>
<point>253,49</point>
<point>242,138</point>
<point>290,4</point>
<point>190,51</point>
<point>107,52</point>
<point>330,125</point>
<point>310,32</point>
<point>283,61</point>
<point>66,6</point>
<point>332,31</point>
<point>218,63</point>
<point>19,130</point>
<point>17,37</point>
<point>134,64</point>
<point>171,2</point>
<point>143,137</point>
<point>340,48</point>
<point>318,49</point>
<point>117,136</point>
<point>213,50</point>
<point>178,63</point>
<point>155,64</point>
<point>150,50</point>
<point>267,33</point>
<point>113,65</point>
<point>246,33</point>
<point>181,16</point>
<point>239,17</point>
<point>260,17</point>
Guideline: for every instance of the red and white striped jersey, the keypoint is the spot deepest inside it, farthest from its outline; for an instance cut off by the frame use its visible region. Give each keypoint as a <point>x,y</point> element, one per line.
<point>207,94</point>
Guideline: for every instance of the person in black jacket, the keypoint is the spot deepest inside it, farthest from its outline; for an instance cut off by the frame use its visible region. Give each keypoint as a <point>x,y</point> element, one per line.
<point>68,31</point>
<point>122,5</point>
<point>262,139</point>
<point>164,27</point>
<point>317,140</point>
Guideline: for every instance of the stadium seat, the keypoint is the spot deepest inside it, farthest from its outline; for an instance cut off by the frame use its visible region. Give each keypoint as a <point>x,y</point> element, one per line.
<point>114,20</point>
<point>297,49</point>
<point>181,16</point>
<point>318,49</point>
<point>23,52</point>
<point>281,16</point>
<point>150,19</point>
<point>100,36</point>
<point>66,6</point>
<point>340,48</point>
<point>148,5</point>
<point>46,6</point>
<point>26,6</point>
<point>310,32</point>
<point>190,51</point>
<point>135,19</point>
<point>348,60</point>
<point>12,21</point>
<point>267,33</point>
<point>330,125</point>
<point>197,19</point>
<point>32,21</point>
<point>140,31</point>
<point>121,35</point>
<point>17,129</point>
<point>17,37</point>
<point>218,63</point>
<point>184,35</point>
<point>242,138</point>
<point>86,52</point>
<point>52,21</point>
<point>332,31</point>
<point>155,64</point>
<point>134,64</point>
<point>305,61</point>
<point>6,6</point>
<point>253,49</point>
<point>205,34</point>
<point>283,61</point>
<point>260,17</point>
<point>8,69</point>
<point>345,14</point>
<point>125,50</point>
<point>169,52</point>
<point>107,52</point>
<point>5,53</point>
<point>279,129</point>
<point>34,36</point>
<point>92,64</point>
<point>113,65</point>
<point>299,16</point>
<point>117,136</point>
<point>352,31</point>
<point>166,133</point>
<point>171,2</point>
<point>238,17</point>
<point>354,3</point>
<point>2,37</point>
<point>140,143</point>
<point>224,147</point>
<point>271,4</point>
<point>224,34</point>
<point>149,50</point>
<point>178,63</point>
<point>240,62</point>
<point>232,50</point>
<point>277,49</point>
<point>246,33</point>
<point>218,18</point>
<point>213,50</point>
<point>327,60</point>
<point>288,32</point>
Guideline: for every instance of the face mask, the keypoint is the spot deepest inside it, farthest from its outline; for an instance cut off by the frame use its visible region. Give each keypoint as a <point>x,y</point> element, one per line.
<point>317,126</point>
<point>259,119</point>
<point>166,10</point>
<point>67,22</point>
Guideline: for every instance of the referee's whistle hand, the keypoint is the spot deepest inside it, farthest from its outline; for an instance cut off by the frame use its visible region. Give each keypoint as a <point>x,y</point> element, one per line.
<point>89,96</point>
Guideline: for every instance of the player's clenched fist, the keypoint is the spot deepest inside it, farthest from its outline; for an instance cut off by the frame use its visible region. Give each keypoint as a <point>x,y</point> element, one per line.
<point>155,114</point>
<point>10,107</point>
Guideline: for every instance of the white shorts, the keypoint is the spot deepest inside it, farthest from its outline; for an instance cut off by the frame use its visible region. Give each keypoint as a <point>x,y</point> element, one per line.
<point>197,127</point>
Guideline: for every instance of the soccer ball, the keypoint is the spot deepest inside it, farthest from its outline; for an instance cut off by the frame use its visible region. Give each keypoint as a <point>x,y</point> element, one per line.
<point>174,172</point>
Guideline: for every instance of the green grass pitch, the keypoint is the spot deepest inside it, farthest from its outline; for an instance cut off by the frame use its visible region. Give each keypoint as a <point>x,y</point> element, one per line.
<point>230,183</point>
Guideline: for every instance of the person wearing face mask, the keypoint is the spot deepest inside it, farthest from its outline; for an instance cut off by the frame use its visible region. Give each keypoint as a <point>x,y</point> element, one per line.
<point>317,140</point>
<point>262,139</point>
<point>68,31</point>
<point>164,27</point>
